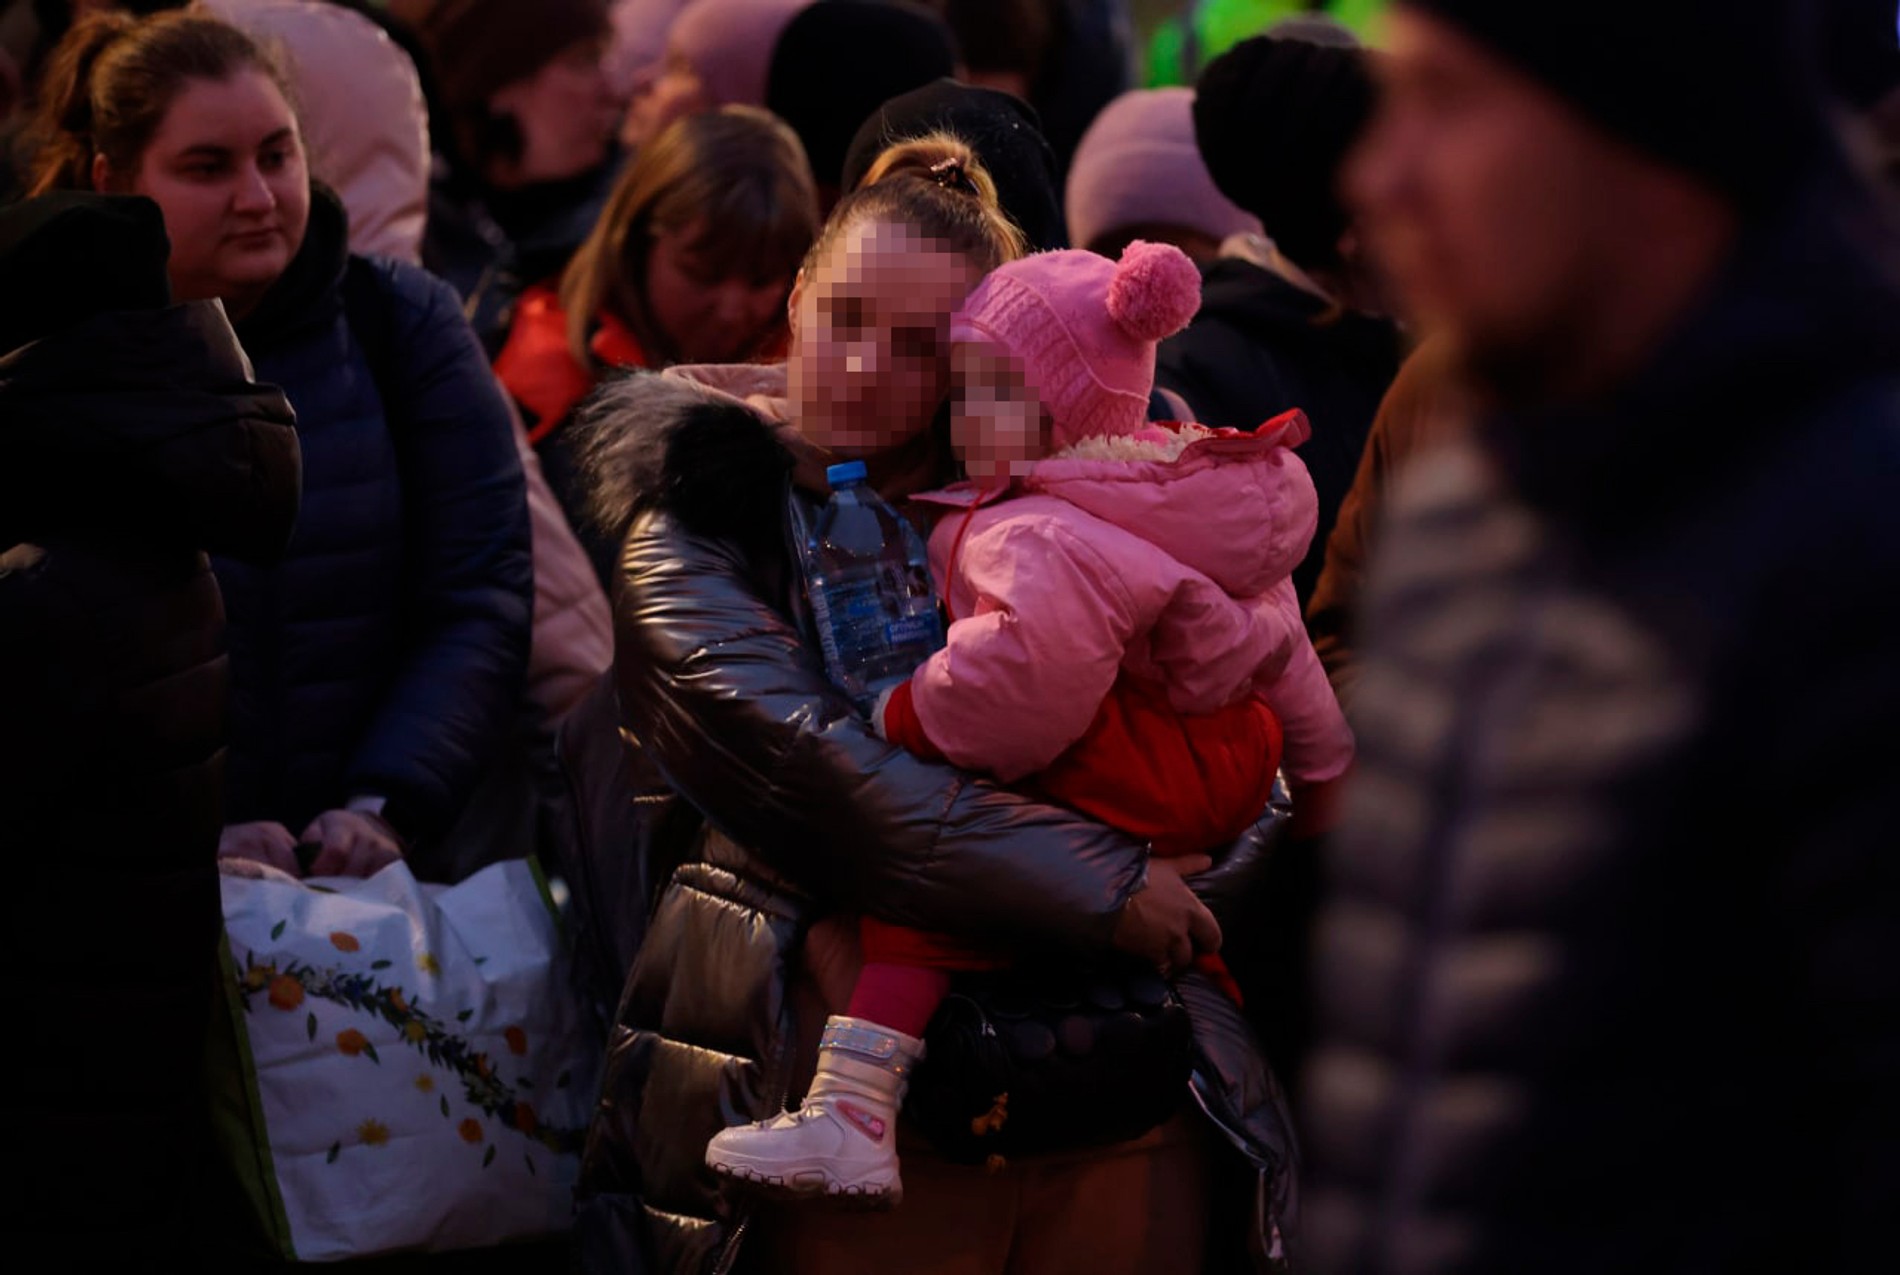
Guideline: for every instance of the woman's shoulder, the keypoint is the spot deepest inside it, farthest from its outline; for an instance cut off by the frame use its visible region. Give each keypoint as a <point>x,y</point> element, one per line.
<point>660,440</point>
<point>410,297</point>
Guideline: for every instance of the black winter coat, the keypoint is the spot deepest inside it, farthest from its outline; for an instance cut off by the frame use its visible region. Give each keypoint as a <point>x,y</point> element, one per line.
<point>1259,346</point>
<point>805,812</point>
<point>384,655</point>
<point>490,245</point>
<point>129,445</point>
<point>1609,972</point>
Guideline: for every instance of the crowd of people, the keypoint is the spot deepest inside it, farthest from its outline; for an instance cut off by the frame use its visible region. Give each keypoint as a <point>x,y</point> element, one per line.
<point>1412,492</point>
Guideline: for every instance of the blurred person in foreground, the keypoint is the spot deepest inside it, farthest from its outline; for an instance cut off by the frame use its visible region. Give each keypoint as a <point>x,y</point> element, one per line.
<point>1609,969</point>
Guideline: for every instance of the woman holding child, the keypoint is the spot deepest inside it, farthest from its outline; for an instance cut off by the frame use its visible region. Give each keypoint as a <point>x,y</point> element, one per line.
<point>781,810</point>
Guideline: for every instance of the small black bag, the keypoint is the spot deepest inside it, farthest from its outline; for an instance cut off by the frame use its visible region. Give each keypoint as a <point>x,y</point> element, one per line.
<point>1026,1061</point>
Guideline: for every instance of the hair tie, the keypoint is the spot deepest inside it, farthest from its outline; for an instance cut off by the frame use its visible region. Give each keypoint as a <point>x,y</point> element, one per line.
<point>952,175</point>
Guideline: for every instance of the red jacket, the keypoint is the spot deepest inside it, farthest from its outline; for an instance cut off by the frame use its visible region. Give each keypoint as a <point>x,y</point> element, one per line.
<point>540,372</point>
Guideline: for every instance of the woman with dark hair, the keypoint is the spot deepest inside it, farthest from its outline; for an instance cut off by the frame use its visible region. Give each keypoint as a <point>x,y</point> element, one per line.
<point>376,668</point>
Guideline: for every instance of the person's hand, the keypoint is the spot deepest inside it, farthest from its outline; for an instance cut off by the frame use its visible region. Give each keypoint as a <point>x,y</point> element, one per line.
<point>352,843</point>
<point>264,842</point>
<point>809,461</point>
<point>1164,922</point>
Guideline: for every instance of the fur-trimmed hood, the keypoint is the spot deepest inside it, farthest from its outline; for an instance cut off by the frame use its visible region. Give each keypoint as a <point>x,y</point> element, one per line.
<point>683,440</point>
<point>1237,507</point>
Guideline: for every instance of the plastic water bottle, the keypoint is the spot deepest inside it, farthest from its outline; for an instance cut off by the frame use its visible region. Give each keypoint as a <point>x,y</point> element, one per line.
<point>868,576</point>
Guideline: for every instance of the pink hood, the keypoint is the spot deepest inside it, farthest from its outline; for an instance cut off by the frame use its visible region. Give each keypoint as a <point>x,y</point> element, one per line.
<point>1238,508</point>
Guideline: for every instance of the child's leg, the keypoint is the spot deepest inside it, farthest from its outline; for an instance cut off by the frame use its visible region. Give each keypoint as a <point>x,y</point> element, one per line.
<point>901,997</point>
<point>907,974</point>
<point>842,1140</point>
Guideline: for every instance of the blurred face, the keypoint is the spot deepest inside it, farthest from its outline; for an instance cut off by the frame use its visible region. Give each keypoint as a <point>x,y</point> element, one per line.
<point>674,93</point>
<point>1483,195</point>
<point>870,358</point>
<point>705,315</point>
<point>227,168</point>
<point>997,424</point>
<point>567,115</point>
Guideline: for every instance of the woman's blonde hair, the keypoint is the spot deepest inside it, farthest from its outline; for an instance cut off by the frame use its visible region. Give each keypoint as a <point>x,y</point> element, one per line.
<point>937,185</point>
<point>737,174</point>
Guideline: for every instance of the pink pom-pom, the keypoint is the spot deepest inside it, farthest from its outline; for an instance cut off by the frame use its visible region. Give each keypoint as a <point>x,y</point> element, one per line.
<point>1156,290</point>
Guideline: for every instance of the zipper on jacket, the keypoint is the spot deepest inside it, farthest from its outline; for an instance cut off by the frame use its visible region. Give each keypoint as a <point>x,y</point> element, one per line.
<point>730,1253</point>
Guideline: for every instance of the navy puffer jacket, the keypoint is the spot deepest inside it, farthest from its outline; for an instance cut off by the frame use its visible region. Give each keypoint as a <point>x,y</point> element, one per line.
<point>384,655</point>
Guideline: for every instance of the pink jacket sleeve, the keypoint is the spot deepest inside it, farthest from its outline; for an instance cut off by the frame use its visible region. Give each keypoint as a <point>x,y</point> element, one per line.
<point>1319,744</point>
<point>1021,676</point>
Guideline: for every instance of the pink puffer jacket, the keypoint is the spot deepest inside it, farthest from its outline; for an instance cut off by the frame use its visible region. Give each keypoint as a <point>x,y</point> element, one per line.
<point>1167,553</point>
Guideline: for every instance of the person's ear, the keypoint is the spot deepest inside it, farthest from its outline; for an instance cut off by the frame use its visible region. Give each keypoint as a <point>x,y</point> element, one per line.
<point>791,302</point>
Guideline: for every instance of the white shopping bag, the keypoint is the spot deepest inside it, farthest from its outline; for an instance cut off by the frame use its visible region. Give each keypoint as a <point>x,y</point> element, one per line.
<point>420,1071</point>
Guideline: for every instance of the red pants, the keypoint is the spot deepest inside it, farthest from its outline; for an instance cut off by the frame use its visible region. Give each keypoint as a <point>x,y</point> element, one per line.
<point>1184,784</point>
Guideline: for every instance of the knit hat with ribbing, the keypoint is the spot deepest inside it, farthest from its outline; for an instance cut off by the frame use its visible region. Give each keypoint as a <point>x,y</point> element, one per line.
<point>1275,120</point>
<point>1084,329</point>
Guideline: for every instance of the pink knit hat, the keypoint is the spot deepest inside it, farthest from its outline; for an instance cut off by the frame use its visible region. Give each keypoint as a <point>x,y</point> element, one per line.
<point>1084,330</point>
<point>1139,165</point>
<point>729,43</point>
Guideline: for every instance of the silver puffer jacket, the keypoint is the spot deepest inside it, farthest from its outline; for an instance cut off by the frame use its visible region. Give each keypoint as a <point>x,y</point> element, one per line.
<point>779,806</point>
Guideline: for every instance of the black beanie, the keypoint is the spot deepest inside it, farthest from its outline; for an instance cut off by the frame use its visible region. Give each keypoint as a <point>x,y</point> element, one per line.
<point>1275,119</point>
<point>1003,131</point>
<point>75,256</point>
<point>838,61</point>
<point>1727,90</point>
<point>1861,47</point>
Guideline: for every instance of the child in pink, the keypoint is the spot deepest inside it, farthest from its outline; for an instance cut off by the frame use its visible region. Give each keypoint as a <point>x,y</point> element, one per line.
<point>1125,638</point>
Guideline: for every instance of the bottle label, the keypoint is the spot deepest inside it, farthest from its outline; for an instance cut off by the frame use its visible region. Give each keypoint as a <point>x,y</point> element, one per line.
<point>924,629</point>
<point>852,612</point>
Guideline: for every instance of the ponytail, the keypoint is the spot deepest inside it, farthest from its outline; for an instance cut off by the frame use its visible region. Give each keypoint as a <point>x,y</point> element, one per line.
<point>112,79</point>
<point>65,127</point>
<point>937,185</point>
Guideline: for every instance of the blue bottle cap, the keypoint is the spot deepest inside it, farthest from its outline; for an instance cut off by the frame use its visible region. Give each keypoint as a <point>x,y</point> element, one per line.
<point>852,471</point>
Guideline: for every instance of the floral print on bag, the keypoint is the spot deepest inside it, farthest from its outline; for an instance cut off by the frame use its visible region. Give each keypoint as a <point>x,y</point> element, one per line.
<point>289,985</point>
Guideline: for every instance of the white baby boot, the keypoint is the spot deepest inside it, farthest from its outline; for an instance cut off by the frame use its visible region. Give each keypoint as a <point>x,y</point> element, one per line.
<point>843,1140</point>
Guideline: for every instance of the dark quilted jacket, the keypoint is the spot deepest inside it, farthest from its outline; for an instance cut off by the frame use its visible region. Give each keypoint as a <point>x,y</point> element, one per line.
<point>384,655</point>
<point>768,804</point>
<point>129,445</point>
<point>1609,971</point>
